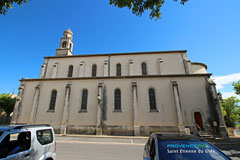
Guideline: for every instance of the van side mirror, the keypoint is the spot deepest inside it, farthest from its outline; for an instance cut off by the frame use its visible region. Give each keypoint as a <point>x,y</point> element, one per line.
<point>3,152</point>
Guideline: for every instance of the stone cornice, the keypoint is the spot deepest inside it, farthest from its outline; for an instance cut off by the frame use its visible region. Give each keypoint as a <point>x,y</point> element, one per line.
<point>198,63</point>
<point>121,77</point>
<point>117,54</point>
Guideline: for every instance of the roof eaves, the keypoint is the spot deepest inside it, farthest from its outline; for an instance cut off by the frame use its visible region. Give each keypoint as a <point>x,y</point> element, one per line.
<point>115,54</point>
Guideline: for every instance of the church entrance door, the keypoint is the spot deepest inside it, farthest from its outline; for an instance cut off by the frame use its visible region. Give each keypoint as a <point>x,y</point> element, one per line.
<point>198,120</point>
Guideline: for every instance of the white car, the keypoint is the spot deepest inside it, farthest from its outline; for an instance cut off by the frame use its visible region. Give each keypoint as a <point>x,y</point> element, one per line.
<point>27,142</point>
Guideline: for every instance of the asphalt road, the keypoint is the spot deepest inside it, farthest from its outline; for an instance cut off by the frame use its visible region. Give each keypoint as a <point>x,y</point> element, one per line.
<point>98,149</point>
<point>95,148</point>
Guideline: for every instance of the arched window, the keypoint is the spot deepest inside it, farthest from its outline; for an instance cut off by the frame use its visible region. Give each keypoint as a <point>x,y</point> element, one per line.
<point>64,44</point>
<point>53,100</point>
<point>118,69</point>
<point>117,100</point>
<point>70,46</point>
<point>70,71</point>
<point>152,99</point>
<point>144,69</point>
<point>84,100</point>
<point>94,70</point>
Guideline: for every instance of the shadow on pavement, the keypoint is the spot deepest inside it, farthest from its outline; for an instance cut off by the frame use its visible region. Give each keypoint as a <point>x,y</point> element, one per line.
<point>230,146</point>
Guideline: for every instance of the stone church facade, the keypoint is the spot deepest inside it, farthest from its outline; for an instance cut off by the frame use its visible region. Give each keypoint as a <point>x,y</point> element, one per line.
<point>120,94</point>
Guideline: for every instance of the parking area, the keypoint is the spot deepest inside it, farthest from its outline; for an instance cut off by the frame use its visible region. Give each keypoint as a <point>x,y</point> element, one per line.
<point>230,147</point>
<point>98,148</point>
<point>118,148</point>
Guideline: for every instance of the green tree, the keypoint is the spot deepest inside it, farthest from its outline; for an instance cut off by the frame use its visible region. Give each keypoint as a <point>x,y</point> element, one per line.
<point>231,111</point>
<point>7,103</point>
<point>139,6</point>
<point>237,87</point>
<point>5,5</point>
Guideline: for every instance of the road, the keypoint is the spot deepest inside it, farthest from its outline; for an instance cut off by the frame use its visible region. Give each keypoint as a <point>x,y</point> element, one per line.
<point>95,148</point>
<point>74,148</point>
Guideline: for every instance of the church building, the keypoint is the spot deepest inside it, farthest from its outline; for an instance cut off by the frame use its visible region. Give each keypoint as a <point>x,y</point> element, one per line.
<point>120,94</point>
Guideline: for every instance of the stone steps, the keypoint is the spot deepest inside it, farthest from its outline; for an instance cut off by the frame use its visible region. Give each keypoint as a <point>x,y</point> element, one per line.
<point>205,135</point>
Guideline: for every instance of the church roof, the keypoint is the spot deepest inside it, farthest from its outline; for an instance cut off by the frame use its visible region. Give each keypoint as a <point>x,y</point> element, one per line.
<point>116,54</point>
<point>69,31</point>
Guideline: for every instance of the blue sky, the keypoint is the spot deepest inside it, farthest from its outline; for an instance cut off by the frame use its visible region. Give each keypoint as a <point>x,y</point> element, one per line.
<point>209,30</point>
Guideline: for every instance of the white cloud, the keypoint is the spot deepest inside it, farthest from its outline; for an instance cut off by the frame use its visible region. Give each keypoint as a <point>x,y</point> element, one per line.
<point>229,94</point>
<point>222,80</point>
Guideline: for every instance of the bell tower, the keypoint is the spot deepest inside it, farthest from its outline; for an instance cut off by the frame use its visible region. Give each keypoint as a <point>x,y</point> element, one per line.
<point>66,44</point>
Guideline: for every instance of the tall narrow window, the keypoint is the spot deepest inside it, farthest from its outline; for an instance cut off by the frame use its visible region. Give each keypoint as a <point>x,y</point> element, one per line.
<point>144,69</point>
<point>53,100</point>
<point>84,100</point>
<point>117,100</point>
<point>152,99</point>
<point>54,71</point>
<point>118,69</point>
<point>70,71</point>
<point>94,70</point>
<point>64,44</point>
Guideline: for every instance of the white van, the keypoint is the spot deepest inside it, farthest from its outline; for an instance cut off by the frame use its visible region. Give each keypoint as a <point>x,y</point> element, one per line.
<point>27,142</point>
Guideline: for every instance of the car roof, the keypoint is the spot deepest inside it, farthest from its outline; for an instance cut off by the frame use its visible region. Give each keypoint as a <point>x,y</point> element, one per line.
<point>21,126</point>
<point>173,136</point>
<point>5,128</point>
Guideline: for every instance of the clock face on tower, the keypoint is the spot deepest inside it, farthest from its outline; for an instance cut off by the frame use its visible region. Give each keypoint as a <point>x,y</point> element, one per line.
<point>64,44</point>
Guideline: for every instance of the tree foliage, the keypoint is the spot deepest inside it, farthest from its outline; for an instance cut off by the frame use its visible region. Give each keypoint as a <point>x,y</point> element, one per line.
<point>7,103</point>
<point>5,5</point>
<point>231,111</point>
<point>237,87</point>
<point>139,6</point>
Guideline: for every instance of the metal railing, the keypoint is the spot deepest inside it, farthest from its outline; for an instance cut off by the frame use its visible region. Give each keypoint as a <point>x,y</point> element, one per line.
<point>199,129</point>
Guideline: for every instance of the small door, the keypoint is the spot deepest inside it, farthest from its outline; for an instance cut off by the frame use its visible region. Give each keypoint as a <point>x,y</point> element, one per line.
<point>198,120</point>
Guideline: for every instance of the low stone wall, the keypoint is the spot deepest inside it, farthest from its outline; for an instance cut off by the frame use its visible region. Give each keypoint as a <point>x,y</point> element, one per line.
<point>117,130</point>
<point>129,130</point>
<point>148,130</point>
<point>85,130</point>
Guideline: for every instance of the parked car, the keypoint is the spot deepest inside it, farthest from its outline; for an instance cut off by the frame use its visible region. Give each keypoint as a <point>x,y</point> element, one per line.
<point>180,147</point>
<point>27,142</point>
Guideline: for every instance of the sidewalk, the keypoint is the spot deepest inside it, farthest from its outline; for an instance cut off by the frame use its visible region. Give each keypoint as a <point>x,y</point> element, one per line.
<point>101,136</point>
<point>101,139</point>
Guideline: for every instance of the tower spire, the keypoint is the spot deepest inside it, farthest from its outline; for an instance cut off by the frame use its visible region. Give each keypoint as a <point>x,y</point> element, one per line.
<point>66,44</point>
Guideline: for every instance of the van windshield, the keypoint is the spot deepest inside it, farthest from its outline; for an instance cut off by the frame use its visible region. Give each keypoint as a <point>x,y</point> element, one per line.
<point>188,149</point>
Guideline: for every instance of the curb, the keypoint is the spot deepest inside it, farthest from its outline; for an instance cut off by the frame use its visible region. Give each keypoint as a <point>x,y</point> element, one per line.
<point>101,136</point>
